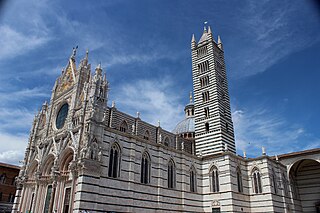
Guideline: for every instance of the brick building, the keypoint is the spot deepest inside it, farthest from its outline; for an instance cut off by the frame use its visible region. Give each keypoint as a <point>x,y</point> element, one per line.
<point>8,174</point>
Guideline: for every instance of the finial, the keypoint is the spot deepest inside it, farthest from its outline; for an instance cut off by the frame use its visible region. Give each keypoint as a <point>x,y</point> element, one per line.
<point>204,29</point>
<point>219,40</point>
<point>277,159</point>
<point>87,53</point>
<point>113,105</point>
<point>209,30</point>
<point>158,123</point>
<point>190,97</point>
<point>74,52</point>
<point>138,114</point>
<point>193,38</point>
<point>244,154</point>
<point>99,66</point>
<point>263,150</point>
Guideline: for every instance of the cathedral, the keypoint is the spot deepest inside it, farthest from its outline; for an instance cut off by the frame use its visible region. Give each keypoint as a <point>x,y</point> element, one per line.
<point>84,155</point>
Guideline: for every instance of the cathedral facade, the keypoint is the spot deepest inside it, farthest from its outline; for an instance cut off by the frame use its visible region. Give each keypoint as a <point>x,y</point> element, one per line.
<point>86,156</point>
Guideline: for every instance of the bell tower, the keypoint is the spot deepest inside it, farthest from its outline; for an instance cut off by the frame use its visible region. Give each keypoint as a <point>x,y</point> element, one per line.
<point>213,124</point>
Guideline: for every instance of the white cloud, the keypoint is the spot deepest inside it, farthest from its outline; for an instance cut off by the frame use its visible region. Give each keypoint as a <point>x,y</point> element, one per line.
<point>12,147</point>
<point>15,119</point>
<point>22,94</point>
<point>270,32</point>
<point>14,43</point>
<point>154,99</point>
<point>257,128</point>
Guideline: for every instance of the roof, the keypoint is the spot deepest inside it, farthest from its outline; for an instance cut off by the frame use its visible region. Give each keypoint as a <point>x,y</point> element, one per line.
<point>304,152</point>
<point>186,125</point>
<point>10,166</point>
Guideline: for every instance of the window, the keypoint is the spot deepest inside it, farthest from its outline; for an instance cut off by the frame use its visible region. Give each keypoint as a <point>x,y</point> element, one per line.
<point>123,126</point>
<point>146,135</point>
<point>167,141</point>
<point>193,180</point>
<point>67,198</point>
<point>114,161</point>
<point>256,181</point>
<point>145,169</point>
<point>274,182</point>
<point>206,112</point>
<point>202,51</point>
<point>48,198</point>
<point>62,115</point>
<point>207,127</point>
<point>203,66</point>
<point>204,81</point>
<point>205,96</point>
<point>216,210</point>
<point>214,176</point>
<point>0,196</point>
<point>171,175</point>
<point>239,180</point>
<point>3,178</point>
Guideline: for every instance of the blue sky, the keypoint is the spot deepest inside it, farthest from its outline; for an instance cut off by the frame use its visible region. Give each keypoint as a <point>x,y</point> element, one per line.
<point>272,51</point>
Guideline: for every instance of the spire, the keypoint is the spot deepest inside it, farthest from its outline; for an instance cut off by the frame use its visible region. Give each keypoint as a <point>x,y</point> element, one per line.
<point>74,52</point>
<point>87,54</point>
<point>193,42</point>
<point>190,97</point>
<point>220,43</point>
<point>209,30</point>
<point>219,40</point>
<point>99,69</point>
<point>204,29</point>
<point>193,38</point>
<point>204,36</point>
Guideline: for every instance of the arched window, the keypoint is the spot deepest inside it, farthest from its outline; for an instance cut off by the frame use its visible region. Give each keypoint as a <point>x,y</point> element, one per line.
<point>114,162</point>
<point>274,182</point>
<point>123,126</point>
<point>239,180</point>
<point>193,180</point>
<point>171,175</point>
<point>145,168</point>
<point>257,187</point>
<point>146,135</point>
<point>166,141</point>
<point>207,127</point>
<point>214,176</point>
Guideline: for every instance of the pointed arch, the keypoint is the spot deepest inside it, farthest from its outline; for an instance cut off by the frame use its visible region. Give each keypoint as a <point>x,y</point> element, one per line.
<point>239,180</point>
<point>114,161</point>
<point>193,179</point>
<point>47,165</point>
<point>256,177</point>
<point>123,126</point>
<point>145,168</point>
<point>214,178</point>
<point>171,174</point>
<point>32,169</point>
<point>66,158</point>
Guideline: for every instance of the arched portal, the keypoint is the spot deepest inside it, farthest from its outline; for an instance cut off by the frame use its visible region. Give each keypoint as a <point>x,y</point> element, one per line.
<point>305,185</point>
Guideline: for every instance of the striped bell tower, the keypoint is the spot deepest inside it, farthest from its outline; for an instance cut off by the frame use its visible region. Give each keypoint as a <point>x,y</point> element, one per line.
<point>213,125</point>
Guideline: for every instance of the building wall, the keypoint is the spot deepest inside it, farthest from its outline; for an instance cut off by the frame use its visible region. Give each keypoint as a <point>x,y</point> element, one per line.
<point>8,173</point>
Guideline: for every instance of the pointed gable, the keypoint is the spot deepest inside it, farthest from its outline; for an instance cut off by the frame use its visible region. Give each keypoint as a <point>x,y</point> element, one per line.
<point>68,77</point>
